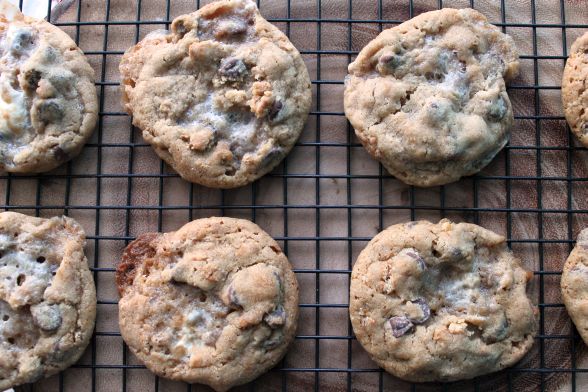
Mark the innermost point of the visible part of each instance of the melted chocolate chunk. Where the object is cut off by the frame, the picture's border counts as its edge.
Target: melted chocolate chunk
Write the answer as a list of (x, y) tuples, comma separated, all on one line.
[(400, 326), (418, 258), (233, 299), (49, 111), (60, 155), (230, 171), (232, 68), (277, 318), (274, 340), (275, 109), (273, 157), (390, 62), (424, 308), (32, 78)]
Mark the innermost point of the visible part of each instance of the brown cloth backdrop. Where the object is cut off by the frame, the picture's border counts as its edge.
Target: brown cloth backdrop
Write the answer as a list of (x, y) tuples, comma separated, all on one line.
[(541, 216)]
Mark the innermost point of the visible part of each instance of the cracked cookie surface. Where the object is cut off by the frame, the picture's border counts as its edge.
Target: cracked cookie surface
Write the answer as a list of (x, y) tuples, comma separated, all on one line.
[(441, 302), (574, 89), (215, 302), (428, 99), (574, 284), (222, 98), (48, 102), (47, 297)]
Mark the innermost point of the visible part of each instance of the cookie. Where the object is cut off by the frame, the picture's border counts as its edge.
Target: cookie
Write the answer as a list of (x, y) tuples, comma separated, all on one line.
[(441, 302), (222, 98), (47, 297), (428, 99), (574, 93), (215, 302), (574, 285), (48, 102)]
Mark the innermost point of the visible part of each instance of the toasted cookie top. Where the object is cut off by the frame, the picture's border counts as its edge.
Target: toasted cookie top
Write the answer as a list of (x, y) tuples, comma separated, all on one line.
[(427, 98), (48, 102), (222, 98), (574, 285), (47, 297), (573, 89), (215, 302), (441, 302)]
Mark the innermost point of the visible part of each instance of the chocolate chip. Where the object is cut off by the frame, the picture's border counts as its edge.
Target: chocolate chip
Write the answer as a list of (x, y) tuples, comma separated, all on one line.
[(22, 39), (233, 300), (60, 155), (32, 78), (424, 308), (49, 111), (400, 326), (237, 150), (584, 128), (232, 68), (272, 158), (390, 61), (277, 318), (230, 171), (275, 109), (274, 340), (497, 110), (418, 258)]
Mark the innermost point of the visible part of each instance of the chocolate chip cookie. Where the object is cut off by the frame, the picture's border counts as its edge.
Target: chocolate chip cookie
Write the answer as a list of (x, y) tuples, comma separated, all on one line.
[(574, 91), (574, 284), (427, 98), (48, 102), (441, 302), (47, 297), (215, 302), (222, 98)]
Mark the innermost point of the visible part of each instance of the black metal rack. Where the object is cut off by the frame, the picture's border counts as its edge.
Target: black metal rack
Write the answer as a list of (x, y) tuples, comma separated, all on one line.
[(311, 372)]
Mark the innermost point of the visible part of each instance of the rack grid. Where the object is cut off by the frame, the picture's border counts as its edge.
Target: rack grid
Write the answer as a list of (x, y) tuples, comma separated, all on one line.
[(328, 198)]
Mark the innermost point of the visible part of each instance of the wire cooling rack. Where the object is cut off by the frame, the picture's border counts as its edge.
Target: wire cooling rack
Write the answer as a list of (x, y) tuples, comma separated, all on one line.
[(328, 198)]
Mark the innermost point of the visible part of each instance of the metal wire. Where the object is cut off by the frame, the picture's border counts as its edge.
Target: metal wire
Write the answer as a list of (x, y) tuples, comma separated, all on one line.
[(348, 148)]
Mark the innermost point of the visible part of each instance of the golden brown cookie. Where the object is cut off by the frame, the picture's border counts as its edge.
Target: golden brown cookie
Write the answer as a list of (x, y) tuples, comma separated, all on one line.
[(441, 302), (428, 99), (48, 102), (47, 297), (215, 302), (574, 89), (222, 98), (574, 284)]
